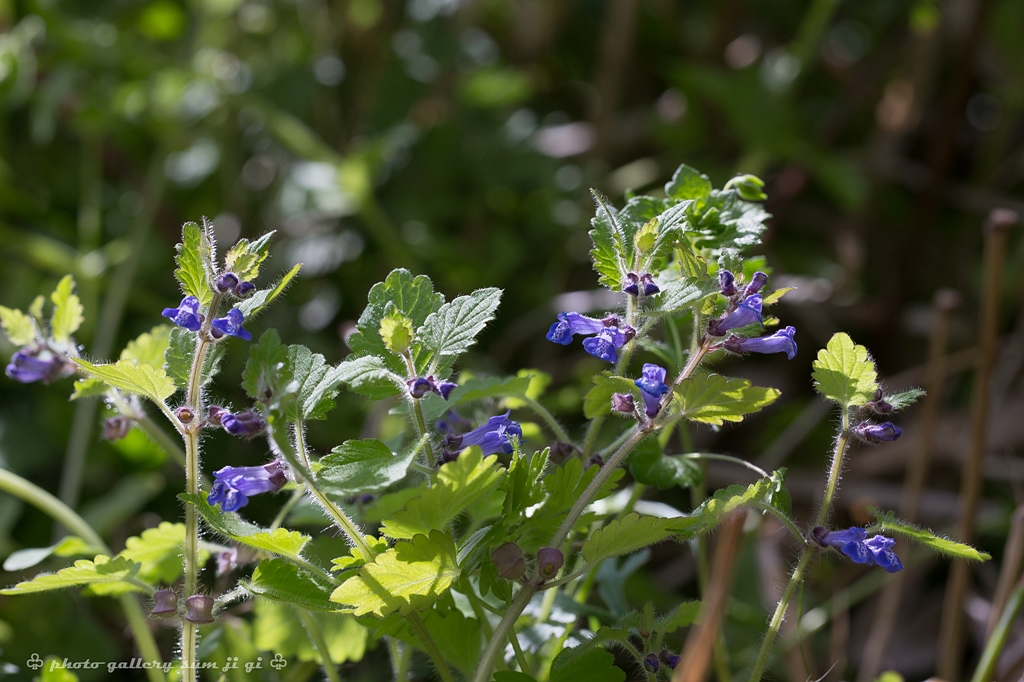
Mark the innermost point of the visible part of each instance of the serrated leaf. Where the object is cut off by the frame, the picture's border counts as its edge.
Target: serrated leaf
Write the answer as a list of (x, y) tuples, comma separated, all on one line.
[(267, 375), (195, 262), (127, 375), (101, 570), (645, 237), (361, 466), (19, 327), (395, 330), (282, 581), (524, 486), (704, 518), (317, 384), (904, 399), (405, 578), (680, 617), (844, 373), (606, 236), (454, 327), (688, 183), (258, 301), (69, 545), (245, 257), (368, 376), (598, 399), (67, 310), (281, 541), (89, 387), (714, 399), (592, 664), (158, 552), (626, 535), (149, 348), (774, 297), (650, 466), (679, 295), (181, 348), (886, 522), (457, 485), (691, 265), (355, 557)]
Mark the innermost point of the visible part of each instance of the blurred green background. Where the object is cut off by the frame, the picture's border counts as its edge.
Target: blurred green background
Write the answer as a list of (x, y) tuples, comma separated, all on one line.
[(458, 138)]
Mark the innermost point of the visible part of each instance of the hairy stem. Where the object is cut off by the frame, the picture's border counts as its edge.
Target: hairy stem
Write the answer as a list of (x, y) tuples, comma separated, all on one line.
[(316, 636), (497, 642), (421, 430), (431, 646)]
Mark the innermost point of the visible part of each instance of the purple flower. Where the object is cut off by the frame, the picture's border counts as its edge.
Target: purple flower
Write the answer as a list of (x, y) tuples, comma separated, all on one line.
[(726, 283), (623, 402), (41, 364), (634, 284), (652, 386), (651, 662), (573, 323), (492, 437), (232, 324), (247, 423), (607, 343), (747, 312), (420, 386), (669, 659), (779, 342), (226, 282), (874, 433), (186, 314), (233, 486), (549, 560), (853, 542), (650, 288), (757, 282), (244, 289)]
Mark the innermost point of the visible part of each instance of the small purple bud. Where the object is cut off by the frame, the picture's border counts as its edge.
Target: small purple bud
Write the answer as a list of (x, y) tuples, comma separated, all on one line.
[(165, 603), (247, 423), (649, 287), (595, 459), (185, 414), (652, 663), (757, 282), (726, 283), (611, 320), (509, 561), (445, 388), (881, 407), (215, 415), (623, 402), (199, 609), (366, 498), (226, 282), (669, 659), (631, 285), (419, 387), (449, 456), (549, 560), (244, 289), (116, 428), (875, 433), (628, 332)]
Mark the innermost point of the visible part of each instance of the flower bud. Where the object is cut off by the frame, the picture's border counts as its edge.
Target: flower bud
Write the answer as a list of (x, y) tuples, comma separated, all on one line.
[(649, 287), (509, 561), (669, 659), (875, 433), (631, 284), (757, 282), (226, 282), (652, 663), (611, 320), (623, 402), (185, 414), (561, 451), (199, 609), (549, 560), (726, 283), (116, 428), (419, 387), (166, 603), (595, 459), (244, 289)]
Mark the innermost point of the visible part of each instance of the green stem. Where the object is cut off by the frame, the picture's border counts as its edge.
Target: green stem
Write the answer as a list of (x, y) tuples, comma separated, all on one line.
[(316, 636), (17, 486), (431, 646), (727, 458), (524, 666), (300, 491), (399, 659), (549, 418), (519, 602), (986, 666), (421, 430)]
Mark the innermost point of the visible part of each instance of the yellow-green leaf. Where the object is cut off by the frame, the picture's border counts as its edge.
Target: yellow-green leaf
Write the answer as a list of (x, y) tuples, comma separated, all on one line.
[(149, 347), (194, 257), (714, 399), (158, 552), (281, 541), (67, 310), (396, 330), (625, 535), (128, 375), (844, 372), (97, 572), (20, 328)]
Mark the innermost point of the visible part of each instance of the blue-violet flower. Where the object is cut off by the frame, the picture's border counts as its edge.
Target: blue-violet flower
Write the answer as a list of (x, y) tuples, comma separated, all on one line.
[(631, 285), (420, 386), (28, 365), (650, 288), (226, 282), (757, 282), (780, 342), (247, 423), (874, 433), (726, 283), (748, 311), (243, 289), (186, 314), (573, 323), (231, 324), (492, 437), (233, 486), (652, 387), (854, 543), (607, 343)]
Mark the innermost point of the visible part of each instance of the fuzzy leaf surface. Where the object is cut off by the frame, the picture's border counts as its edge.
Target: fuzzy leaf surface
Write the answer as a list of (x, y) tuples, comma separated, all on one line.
[(361, 466), (282, 581), (281, 541), (886, 522), (19, 327), (67, 310), (844, 373), (714, 399), (99, 571), (127, 375), (195, 256)]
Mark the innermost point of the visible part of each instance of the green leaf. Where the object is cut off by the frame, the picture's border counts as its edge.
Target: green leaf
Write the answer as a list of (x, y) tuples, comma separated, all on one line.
[(355, 557), (361, 466), (282, 581), (886, 522), (680, 617), (19, 327), (650, 466), (258, 301), (904, 399), (593, 664), (513, 388), (607, 251), (158, 552), (459, 638), (127, 375), (101, 570), (414, 297), (395, 330), (524, 485), (317, 384), (286, 543), (457, 485), (646, 237), (67, 310), (626, 535), (195, 262), (181, 348), (405, 578), (598, 399), (149, 348), (454, 327), (369, 376), (681, 294), (267, 376), (69, 545), (89, 388), (775, 296), (244, 258), (688, 183), (765, 492), (53, 670), (714, 399), (277, 628), (844, 373), (538, 383)]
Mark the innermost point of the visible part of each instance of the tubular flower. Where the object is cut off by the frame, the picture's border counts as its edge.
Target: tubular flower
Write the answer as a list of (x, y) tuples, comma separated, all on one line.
[(875, 433), (233, 486), (607, 343), (652, 387), (780, 342), (854, 543), (231, 324), (247, 423), (421, 386), (29, 365), (747, 312), (757, 282), (726, 283), (570, 324), (492, 437), (650, 288), (186, 315)]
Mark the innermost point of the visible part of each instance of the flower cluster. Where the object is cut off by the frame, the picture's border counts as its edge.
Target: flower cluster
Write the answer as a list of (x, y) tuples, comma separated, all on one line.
[(233, 486), (745, 309), (610, 333), (492, 437), (854, 543), (187, 316), (420, 386), (640, 284), (228, 283)]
